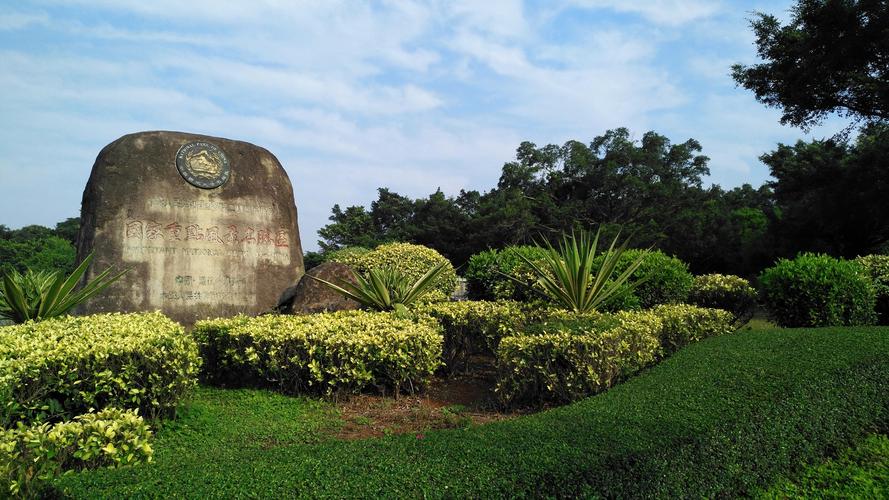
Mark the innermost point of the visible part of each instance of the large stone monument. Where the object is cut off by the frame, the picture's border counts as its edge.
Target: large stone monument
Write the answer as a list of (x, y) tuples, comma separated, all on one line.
[(207, 226)]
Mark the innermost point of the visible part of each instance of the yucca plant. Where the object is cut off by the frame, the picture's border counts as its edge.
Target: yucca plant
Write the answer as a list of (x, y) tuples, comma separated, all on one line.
[(42, 295), (386, 289), (565, 274)]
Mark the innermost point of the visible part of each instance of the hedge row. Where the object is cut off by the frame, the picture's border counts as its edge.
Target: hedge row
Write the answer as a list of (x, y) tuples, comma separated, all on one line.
[(564, 359), (60, 368), (31, 455), (320, 353), (722, 418)]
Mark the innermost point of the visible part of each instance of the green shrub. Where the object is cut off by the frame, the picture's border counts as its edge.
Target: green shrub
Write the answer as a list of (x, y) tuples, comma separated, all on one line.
[(727, 292), (411, 260), (664, 279), (62, 367), (29, 456), (818, 290), (877, 266), (350, 256), (321, 353), (684, 324), (487, 275), (473, 327), (563, 361)]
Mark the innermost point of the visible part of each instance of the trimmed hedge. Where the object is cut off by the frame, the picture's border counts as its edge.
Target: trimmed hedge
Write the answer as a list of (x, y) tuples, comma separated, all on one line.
[(32, 455), (413, 261), (566, 357), (684, 324), (320, 353), (63, 367), (818, 290), (564, 361), (666, 278), (877, 267), (473, 327), (720, 419), (730, 293)]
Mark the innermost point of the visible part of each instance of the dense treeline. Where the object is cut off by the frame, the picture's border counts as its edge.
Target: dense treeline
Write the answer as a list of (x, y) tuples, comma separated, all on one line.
[(39, 248), (827, 196)]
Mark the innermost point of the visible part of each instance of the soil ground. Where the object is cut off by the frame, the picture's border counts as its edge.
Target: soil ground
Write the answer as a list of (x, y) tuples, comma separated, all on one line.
[(456, 401)]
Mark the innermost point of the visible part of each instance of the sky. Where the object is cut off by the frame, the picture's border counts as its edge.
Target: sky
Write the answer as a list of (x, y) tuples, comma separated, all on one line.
[(351, 96)]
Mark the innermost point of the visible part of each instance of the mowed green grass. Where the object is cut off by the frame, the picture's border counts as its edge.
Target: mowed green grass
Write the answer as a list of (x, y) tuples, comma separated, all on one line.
[(726, 416), (861, 471)]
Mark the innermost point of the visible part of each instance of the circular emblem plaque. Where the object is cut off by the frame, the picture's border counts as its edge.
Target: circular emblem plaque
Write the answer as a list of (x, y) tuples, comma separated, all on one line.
[(203, 164)]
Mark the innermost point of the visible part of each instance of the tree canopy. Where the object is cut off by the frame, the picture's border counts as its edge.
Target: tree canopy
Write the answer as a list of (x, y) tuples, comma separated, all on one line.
[(832, 57)]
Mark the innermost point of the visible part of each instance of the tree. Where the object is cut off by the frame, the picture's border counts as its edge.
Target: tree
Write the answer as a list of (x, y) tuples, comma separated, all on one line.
[(832, 57), (832, 196)]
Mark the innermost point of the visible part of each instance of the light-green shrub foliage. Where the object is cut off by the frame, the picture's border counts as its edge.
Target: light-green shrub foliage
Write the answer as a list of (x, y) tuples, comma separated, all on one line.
[(62, 367), (684, 324), (321, 353), (488, 273), (32, 455), (818, 290), (731, 293), (877, 267), (567, 360), (413, 261)]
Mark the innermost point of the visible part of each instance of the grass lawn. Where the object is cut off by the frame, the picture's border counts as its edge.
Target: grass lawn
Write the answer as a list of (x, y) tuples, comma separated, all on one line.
[(726, 416)]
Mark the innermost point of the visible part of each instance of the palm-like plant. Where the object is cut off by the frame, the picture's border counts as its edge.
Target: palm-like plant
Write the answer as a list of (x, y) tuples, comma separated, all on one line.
[(386, 289), (565, 274), (42, 295)]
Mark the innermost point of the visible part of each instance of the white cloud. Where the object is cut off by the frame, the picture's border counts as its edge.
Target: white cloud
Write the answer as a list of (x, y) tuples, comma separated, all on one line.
[(663, 12)]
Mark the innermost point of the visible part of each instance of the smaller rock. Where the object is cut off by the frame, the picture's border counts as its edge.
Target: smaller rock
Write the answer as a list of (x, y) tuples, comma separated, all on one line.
[(309, 296)]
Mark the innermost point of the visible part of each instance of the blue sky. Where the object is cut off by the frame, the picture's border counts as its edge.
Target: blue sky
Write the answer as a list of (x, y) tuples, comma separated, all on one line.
[(351, 96)]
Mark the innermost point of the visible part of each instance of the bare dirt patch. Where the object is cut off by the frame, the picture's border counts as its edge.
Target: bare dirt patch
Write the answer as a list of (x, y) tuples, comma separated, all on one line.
[(457, 401)]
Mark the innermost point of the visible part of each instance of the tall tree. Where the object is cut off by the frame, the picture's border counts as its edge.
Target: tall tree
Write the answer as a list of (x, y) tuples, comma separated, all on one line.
[(833, 196), (832, 57)]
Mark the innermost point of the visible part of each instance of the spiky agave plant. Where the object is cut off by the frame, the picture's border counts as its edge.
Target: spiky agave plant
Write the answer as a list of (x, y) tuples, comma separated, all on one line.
[(386, 289), (565, 274), (42, 295)]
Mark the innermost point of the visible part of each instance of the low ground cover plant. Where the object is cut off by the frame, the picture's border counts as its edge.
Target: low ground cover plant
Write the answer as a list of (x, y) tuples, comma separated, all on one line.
[(413, 261), (32, 455), (326, 353), (730, 293), (724, 417), (818, 290), (63, 367)]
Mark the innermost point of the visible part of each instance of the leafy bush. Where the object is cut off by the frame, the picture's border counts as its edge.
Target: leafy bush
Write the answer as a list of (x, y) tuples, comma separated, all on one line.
[(40, 253), (411, 260), (350, 256), (684, 324), (62, 367), (877, 266), (387, 289), (818, 290), (321, 353), (44, 294), (473, 327), (662, 279), (564, 361), (29, 456), (488, 272), (727, 292), (568, 278)]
